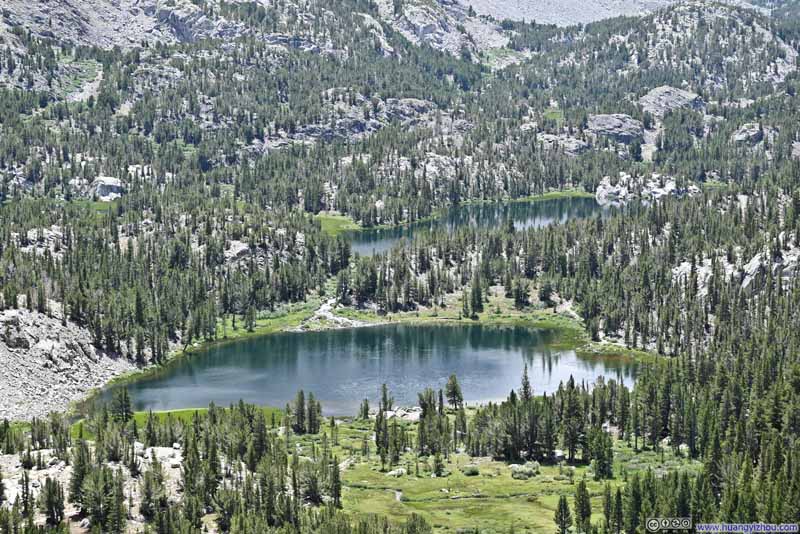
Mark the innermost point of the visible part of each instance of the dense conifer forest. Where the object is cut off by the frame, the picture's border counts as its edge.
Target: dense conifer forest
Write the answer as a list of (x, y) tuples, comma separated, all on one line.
[(171, 193)]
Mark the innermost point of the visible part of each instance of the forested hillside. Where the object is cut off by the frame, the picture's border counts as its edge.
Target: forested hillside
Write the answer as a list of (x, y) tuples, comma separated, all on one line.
[(171, 172)]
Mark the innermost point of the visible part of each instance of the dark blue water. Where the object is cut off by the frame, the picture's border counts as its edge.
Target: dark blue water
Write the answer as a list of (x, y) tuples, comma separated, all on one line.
[(528, 214), (342, 367)]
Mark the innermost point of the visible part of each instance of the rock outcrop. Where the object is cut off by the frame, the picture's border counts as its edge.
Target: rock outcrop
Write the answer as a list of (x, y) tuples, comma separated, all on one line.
[(628, 188), (570, 145), (55, 468), (662, 100), (618, 127), (445, 25), (786, 266), (45, 365), (564, 12), (749, 133), (358, 120), (188, 22), (123, 23), (107, 188)]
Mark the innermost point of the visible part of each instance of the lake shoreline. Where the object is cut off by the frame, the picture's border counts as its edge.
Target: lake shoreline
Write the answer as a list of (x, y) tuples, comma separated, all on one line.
[(568, 331), (320, 313), (335, 223)]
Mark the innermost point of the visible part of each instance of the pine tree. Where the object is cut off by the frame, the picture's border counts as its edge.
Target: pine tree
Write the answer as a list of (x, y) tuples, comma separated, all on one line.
[(526, 391), (121, 409), (618, 514), (713, 465), (148, 506), (336, 484), (476, 295), (25, 494), (608, 506), (96, 494), (116, 509), (81, 465), (299, 412), (453, 392), (563, 517), (191, 474), (52, 502), (363, 411), (633, 503), (465, 309), (150, 436), (438, 465), (312, 419), (573, 419), (583, 508)]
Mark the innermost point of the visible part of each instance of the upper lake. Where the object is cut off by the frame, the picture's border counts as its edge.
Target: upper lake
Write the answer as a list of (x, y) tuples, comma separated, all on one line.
[(524, 214), (341, 367)]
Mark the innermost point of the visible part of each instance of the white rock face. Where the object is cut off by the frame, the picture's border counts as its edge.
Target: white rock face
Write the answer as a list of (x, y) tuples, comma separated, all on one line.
[(40, 240), (124, 23), (361, 119), (749, 133), (406, 414), (570, 145), (786, 266), (702, 271), (628, 188), (444, 25), (107, 188), (377, 32), (188, 22), (45, 365), (563, 12), (665, 99), (618, 127), (236, 251), (56, 469)]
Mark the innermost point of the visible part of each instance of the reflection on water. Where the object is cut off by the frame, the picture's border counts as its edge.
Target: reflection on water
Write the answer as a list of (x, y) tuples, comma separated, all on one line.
[(534, 214), (342, 367)]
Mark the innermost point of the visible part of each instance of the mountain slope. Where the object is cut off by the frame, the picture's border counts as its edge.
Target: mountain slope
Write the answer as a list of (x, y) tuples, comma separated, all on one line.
[(569, 12), (125, 23), (563, 13)]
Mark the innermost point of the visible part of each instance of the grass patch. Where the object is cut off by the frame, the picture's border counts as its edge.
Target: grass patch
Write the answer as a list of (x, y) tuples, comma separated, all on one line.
[(714, 185), (553, 195), (334, 224), (554, 114), (493, 500), (95, 205), (184, 416), (85, 72), (615, 351), (498, 311)]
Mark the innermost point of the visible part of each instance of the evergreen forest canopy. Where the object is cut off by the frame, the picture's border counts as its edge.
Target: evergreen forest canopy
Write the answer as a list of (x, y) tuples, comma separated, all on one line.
[(153, 193)]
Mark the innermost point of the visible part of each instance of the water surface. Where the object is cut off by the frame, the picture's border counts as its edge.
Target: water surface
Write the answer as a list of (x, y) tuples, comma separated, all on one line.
[(342, 367), (524, 214)]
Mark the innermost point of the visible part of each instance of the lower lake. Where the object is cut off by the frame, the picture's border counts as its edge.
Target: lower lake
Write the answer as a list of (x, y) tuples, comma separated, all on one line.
[(342, 367)]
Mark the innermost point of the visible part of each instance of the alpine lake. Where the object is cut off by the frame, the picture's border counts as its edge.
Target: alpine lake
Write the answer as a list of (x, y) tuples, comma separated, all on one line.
[(343, 366)]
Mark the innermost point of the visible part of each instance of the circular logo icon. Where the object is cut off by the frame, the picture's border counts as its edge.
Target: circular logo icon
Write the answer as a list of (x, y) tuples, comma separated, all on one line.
[(653, 525)]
